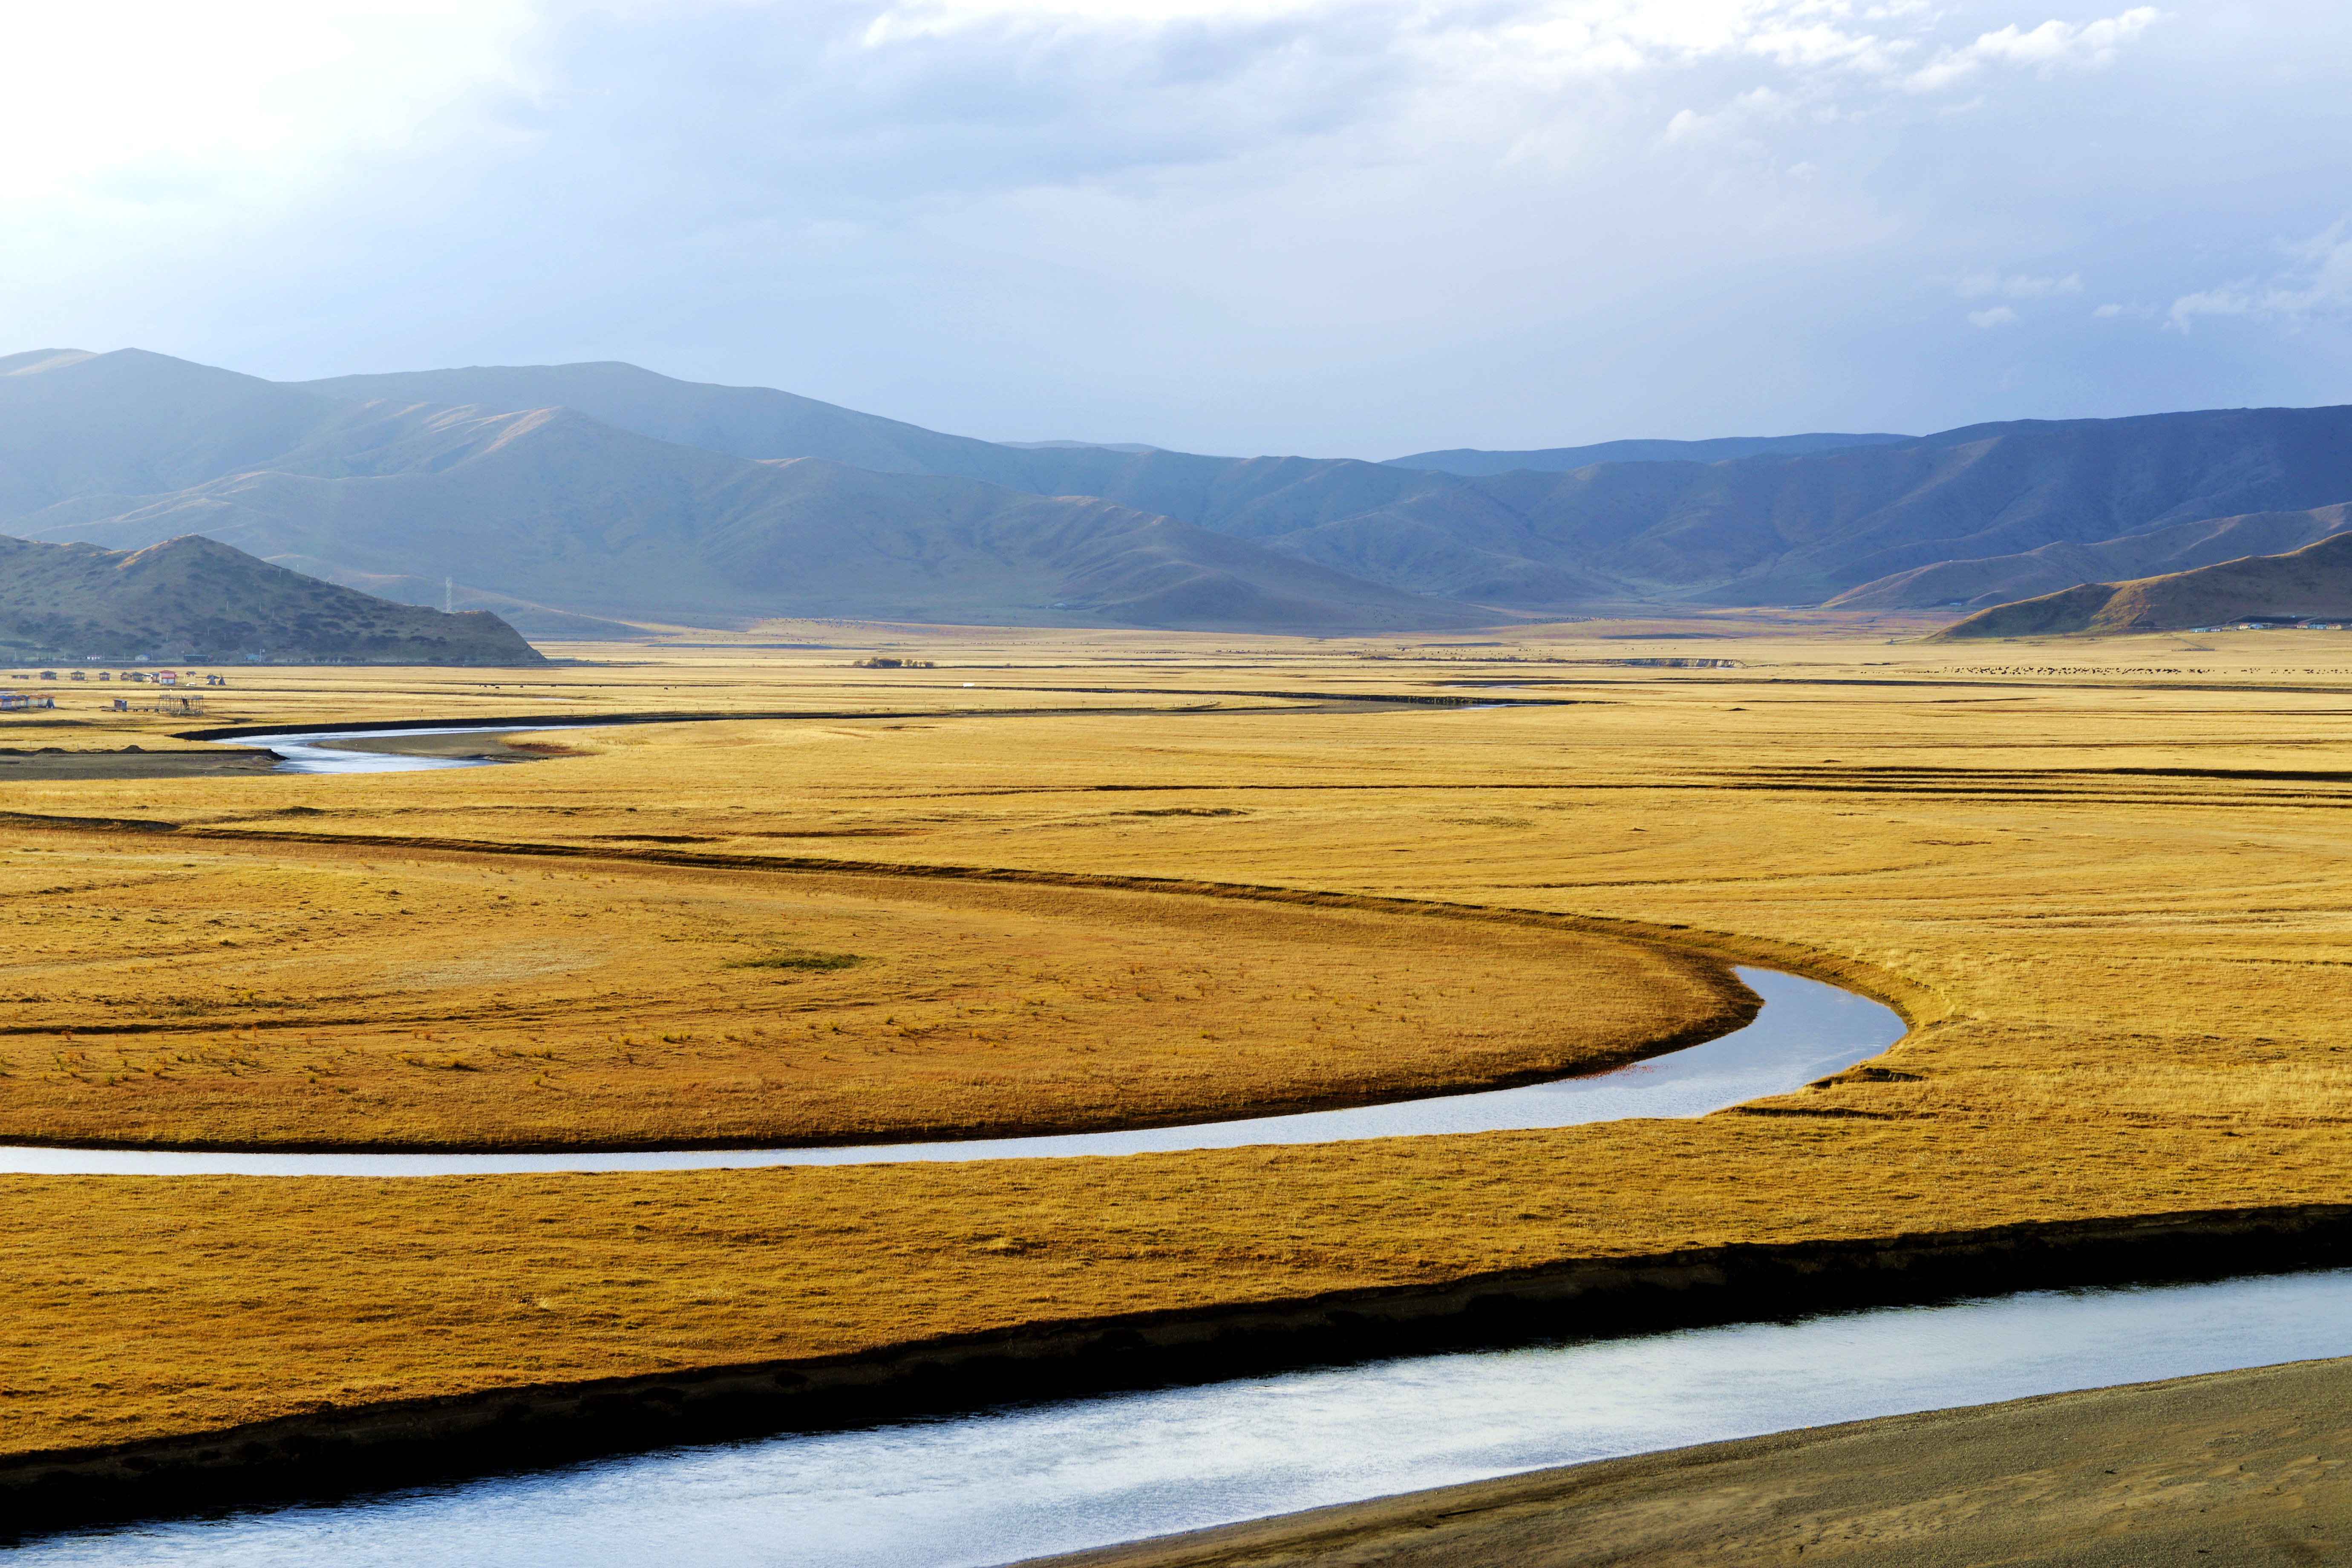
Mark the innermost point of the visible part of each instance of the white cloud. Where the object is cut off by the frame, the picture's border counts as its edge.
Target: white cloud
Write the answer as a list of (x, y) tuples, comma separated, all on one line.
[(2110, 311), (147, 101), (1239, 224), (2317, 282), (2052, 46)]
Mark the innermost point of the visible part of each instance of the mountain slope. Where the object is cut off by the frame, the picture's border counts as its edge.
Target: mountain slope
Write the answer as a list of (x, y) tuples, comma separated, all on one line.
[(190, 597), (743, 421), (76, 424), (135, 423), (550, 515), (559, 510), (1472, 461), (2315, 581), (1770, 529), (2001, 579)]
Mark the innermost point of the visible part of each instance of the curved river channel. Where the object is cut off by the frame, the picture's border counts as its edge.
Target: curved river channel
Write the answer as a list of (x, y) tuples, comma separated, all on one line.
[(1807, 1029), (1021, 1480)]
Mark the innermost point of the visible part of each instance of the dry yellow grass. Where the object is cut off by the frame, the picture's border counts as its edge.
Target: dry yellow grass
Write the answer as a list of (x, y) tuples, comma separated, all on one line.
[(310, 997), (2105, 882)]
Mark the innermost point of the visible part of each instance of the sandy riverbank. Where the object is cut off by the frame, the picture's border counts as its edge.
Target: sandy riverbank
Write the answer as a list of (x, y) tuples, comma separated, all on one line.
[(2233, 1467), (56, 764)]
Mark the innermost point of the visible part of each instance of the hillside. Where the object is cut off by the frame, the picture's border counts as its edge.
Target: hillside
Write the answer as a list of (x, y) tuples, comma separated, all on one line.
[(742, 421), (2315, 581), (193, 598), (2001, 579), (551, 513), (568, 524), (1476, 462), (1774, 528)]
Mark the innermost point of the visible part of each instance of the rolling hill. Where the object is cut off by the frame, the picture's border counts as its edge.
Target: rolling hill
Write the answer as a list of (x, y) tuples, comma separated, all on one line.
[(194, 598), (2001, 579), (2315, 581)]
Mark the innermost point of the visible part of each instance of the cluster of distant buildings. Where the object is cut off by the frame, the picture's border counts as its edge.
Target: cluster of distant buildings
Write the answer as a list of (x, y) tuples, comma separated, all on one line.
[(21, 701), (2277, 624), (159, 677)]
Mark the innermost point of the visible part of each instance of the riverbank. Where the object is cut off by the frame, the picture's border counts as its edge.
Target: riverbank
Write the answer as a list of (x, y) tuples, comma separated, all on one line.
[(2233, 1467), (367, 1445), (22, 765), (299, 993)]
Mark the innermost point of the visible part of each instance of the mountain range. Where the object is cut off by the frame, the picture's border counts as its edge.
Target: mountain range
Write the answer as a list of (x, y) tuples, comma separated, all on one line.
[(573, 497), (567, 525)]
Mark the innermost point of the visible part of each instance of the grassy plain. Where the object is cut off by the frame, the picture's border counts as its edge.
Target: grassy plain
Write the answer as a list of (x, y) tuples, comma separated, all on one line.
[(2105, 882), (313, 996)]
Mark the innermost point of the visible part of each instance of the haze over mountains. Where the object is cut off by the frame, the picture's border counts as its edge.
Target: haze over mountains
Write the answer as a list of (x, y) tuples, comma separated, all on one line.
[(575, 497)]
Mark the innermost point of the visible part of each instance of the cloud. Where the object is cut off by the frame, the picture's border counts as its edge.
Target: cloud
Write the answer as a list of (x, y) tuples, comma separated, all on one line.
[(2053, 46), (147, 101), (2317, 283), (2110, 311), (1363, 226)]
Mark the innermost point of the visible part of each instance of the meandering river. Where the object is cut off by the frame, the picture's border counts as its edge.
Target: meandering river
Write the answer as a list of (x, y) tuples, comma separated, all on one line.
[(1807, 1029), (1020, 1480)]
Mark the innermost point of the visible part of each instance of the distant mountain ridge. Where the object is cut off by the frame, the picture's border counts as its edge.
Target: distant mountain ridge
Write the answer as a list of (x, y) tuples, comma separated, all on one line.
[(1770, 528), (1476, 462), (553, 512), (197, 598), (610, 492), (2315, 582)]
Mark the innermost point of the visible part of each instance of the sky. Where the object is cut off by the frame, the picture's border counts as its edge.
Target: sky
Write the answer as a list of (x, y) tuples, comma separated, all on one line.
[(1326, 227)]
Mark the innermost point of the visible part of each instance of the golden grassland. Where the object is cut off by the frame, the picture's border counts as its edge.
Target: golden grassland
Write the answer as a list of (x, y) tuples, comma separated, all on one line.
[(2105, 882), (311, 996)]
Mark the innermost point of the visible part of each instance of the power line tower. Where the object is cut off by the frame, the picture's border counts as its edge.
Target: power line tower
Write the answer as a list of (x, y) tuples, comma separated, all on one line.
[(448, 596)]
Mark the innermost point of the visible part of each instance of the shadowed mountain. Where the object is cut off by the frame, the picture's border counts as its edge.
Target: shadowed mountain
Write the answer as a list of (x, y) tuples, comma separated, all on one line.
[(2002, 579), (195, 598), (2315, 581), (1768, 528), (1472, 461)]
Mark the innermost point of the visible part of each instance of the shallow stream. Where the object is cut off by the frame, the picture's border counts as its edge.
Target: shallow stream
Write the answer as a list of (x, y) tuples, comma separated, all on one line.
[(1024, 1480)]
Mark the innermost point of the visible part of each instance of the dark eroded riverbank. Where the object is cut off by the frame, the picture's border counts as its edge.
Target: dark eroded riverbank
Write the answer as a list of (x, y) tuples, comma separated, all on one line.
[(372, 1447)]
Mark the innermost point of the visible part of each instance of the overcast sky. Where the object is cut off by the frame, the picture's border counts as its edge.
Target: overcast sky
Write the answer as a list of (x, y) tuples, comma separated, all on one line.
[(1329, 226)]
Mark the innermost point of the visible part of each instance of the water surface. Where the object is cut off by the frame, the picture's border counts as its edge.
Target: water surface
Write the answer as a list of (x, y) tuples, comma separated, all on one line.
[(1021, 1481)]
